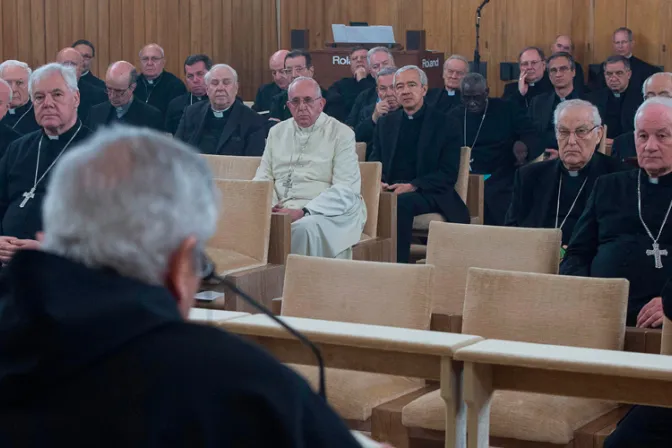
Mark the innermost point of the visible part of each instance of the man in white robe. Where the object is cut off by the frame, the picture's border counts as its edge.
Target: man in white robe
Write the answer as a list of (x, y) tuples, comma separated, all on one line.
[(312, 161)]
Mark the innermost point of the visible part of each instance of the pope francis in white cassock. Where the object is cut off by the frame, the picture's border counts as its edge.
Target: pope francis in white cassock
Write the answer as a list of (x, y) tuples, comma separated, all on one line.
[(312, 162)]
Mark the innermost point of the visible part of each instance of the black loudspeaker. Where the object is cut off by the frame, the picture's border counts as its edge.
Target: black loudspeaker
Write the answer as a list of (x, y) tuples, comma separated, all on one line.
[(300, 39), (415, 40), (482, 68), (509, 71)]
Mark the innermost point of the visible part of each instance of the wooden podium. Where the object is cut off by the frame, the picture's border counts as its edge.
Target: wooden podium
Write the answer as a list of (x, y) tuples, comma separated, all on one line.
[(333, 63)]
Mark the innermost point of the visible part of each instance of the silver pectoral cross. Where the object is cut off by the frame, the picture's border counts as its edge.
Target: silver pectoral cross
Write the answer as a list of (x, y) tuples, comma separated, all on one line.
[(287, 183), (657, 253), (31, 194)]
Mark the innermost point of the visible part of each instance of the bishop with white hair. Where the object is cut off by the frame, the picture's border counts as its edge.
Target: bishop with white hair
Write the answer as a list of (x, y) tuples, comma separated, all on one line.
[(223, 125), (553, 194), (7, 134), (312, 162), (27, 164), (20, 116), (624, 231), (156, 86)]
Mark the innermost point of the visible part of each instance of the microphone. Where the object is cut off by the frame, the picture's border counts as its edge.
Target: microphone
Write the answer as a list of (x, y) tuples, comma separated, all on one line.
[(485, 2), (212, 276)]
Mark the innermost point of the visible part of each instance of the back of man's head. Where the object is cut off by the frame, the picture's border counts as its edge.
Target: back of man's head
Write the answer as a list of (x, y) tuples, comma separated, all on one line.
[(128, 199)]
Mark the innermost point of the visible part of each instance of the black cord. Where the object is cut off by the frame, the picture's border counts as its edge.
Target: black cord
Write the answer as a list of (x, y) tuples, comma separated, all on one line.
[(304, 340)]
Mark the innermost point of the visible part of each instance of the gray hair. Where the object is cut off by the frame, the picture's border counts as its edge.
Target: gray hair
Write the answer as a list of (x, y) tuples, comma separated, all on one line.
[(473, 79), (650, 78), (126, 199), (418, 70), (68, 73), (455, 57), (663, 101), (163, 54), (218, 66), (375, 50), (12, 63), (6, 84), (386, 71), (318, 90), (569, 104)]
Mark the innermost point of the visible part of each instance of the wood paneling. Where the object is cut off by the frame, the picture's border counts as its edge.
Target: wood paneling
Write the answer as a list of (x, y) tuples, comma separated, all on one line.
[(243, 33)]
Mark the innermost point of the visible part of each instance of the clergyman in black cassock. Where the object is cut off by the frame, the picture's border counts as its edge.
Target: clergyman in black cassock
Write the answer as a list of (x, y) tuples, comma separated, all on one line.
[(7, 134), (494, 129), (195, 68), (121, 79), (156, 86), (533, 70), (348, 89), (444, 99), (21, 115), (223, 125), (419, 147), (561, 71), (88, 52), (378, 58), (89, 95), (371, 114)]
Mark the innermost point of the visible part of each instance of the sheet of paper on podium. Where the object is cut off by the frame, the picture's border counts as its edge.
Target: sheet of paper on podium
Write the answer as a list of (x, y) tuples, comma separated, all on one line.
[(378, 34)]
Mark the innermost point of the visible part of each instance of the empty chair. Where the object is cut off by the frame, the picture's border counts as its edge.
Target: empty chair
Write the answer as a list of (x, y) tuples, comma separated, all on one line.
[(539, 308), (358, 292)]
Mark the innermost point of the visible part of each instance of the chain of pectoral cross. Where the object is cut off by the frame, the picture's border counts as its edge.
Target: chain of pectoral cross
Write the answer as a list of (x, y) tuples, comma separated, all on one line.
[(655, 251)]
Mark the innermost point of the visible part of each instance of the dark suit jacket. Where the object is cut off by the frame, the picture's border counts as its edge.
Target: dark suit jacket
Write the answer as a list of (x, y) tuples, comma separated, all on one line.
[(7, 136), (438, 158), (367, 97), (633, 99), (640, 71), (511, 92), (265, 96), (138, 114), (624, 146), (244, 133), (176, 109), (541, 112), (94, 81), (89, 96), (535, 191), (365, 126), (439, 99)]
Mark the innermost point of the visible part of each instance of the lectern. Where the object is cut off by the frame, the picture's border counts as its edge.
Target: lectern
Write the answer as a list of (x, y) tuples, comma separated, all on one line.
[(333, 63)]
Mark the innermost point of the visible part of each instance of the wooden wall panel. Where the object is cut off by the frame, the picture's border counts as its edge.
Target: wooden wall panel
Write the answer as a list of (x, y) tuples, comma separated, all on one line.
[(643, 17), (609, 15)]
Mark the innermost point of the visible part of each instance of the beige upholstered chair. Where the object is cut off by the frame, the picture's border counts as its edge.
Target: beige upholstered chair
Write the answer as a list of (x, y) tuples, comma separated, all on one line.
[(233, 167), (243, 229), (358, 292), (372, 173), (454, 248), (360, 147), (539, 308), (666, 342)]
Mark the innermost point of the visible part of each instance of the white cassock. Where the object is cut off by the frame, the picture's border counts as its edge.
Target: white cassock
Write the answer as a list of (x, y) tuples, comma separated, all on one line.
[(317, 168)]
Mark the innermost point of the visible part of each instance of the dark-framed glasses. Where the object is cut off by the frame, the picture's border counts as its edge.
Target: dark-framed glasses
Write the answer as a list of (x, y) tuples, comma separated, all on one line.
[(296, 102)]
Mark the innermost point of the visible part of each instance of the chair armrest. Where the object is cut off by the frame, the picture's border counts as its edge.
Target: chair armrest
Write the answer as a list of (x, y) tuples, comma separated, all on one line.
[(475, 196), (280, 242), (276, 306), (387, 215)]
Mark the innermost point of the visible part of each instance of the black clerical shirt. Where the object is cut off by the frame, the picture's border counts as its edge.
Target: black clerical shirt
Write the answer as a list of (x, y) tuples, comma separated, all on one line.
[(160, 91), (613, 114), (17, 176), (404, 164), (212, 131), (264, 98), (22, 119), (349, 89), (7, 136), (176, 109), (610, 241)]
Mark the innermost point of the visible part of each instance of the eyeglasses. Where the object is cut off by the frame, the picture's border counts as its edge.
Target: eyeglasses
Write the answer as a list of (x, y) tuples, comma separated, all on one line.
[(617, 74), (146, 59), (459, 73), (559, 70), (296, 102), (529, 63), (580, 133), (117, 92), (289, 71)]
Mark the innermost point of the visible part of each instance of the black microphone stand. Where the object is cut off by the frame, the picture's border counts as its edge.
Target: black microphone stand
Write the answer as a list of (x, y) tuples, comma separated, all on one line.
[(477, 54)]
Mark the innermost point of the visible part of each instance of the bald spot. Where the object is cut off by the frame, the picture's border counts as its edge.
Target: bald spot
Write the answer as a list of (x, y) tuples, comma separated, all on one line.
[(69, 55), (277, 59), (305, 88), (119, 72), (659, 84)]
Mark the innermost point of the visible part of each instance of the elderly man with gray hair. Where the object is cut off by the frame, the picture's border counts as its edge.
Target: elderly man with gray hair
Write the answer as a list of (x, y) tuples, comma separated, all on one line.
[(454, 69), (223, 125), (419, 148), (7, 134), (312, 162), (95, 333), (27, 164), (554, 193), (20, 116), (377, 59)]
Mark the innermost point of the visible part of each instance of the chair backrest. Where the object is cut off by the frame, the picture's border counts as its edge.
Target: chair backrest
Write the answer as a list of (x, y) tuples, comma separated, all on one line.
[(233, 167), (360, 148), (396, 295), (546, 309), (371, 173), (604, 148), (666, 339), (244, 226), (454, 248), (462, 184)]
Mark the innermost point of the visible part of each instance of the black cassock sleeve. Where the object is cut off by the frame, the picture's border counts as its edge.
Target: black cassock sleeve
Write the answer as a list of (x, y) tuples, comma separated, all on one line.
[(583, 245), (364, 126), (353, 116), (4, 185), (512, 217), (526, 132), (259, 99), (445, 176)]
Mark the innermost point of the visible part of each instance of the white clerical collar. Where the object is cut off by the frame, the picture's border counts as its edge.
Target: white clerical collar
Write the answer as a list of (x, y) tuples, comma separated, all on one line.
[(12, 111), (450, 92), (617, 94), (85, 73), (52, 137), (219, 113), (150, 82), (573, 173), (653, 180), (532, 84), (319, 122)]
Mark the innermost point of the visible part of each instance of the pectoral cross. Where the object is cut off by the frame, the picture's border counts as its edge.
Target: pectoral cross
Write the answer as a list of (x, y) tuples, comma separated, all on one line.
[(287, 183), (657, 253), (31, 194)]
